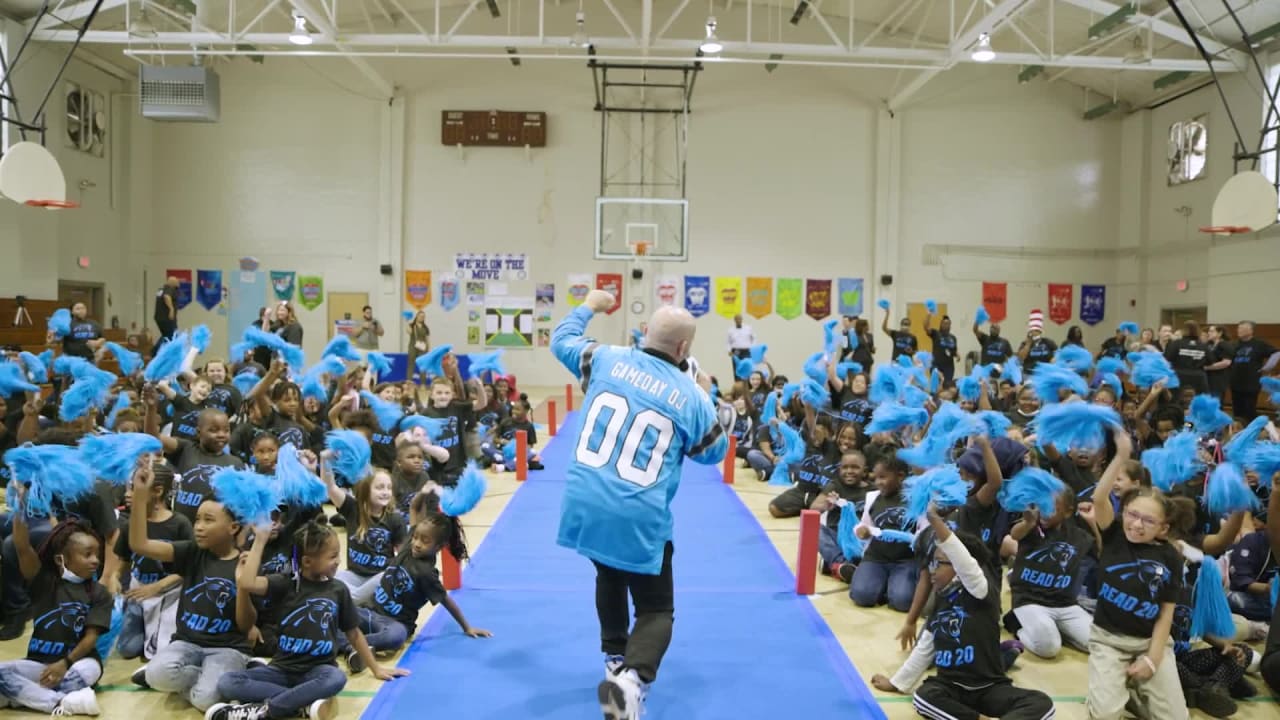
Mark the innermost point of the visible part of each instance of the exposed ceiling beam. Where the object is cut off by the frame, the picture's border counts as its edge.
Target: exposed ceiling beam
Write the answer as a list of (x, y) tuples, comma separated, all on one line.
[(73, 14), (1004, 10), (1164, 28), (321, 23)]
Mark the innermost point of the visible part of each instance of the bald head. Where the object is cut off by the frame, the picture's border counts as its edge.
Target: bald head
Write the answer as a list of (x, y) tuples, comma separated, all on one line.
[(670, 331)]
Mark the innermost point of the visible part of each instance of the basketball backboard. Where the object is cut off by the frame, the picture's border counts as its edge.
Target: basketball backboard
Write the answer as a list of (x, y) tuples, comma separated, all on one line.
[(661, 224)]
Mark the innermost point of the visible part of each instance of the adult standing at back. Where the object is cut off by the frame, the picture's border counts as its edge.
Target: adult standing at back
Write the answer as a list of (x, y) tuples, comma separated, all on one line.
[(86, 334), (1218, 361), (995, 349), (166, 315), (904, 343), (944, 346), (1252, 357), (1188, 357), (741, 338), (370, 330), (644, 414), (1036, 348), (283, 322), (419, 341)]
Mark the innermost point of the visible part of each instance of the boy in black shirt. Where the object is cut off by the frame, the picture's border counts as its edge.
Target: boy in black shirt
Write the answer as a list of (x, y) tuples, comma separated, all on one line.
[(451, 437), (196, 462), (964, 631), (851, 488)]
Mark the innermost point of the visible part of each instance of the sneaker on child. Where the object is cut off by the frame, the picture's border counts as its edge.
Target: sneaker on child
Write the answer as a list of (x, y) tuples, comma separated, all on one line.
[(78, 702), (613, 663), (232, 711), (355, 663), (621, 696), (139, 677), (321, 709)]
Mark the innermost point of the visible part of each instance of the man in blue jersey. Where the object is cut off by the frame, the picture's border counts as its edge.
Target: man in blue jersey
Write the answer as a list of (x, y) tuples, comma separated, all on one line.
[(643, 414)]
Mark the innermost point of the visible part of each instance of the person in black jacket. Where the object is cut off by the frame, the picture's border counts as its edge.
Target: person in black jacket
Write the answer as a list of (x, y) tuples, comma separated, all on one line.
[(1188, 357)]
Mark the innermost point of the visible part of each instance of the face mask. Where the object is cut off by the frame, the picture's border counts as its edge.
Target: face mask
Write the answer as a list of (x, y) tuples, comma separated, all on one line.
[(71, 577)]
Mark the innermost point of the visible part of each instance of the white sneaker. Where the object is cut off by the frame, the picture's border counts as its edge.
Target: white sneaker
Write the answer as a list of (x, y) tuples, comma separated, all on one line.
[(612, 664), (321, 709), (78, 702), (621, 696), (1257, 631)]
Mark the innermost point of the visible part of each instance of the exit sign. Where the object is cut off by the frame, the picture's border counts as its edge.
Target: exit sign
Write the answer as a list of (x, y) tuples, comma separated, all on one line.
[(1181, 286)]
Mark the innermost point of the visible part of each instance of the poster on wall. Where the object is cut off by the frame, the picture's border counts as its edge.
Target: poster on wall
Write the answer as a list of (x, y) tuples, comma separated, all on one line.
[(1093, 303), (995, 298), (544, 337), (817, 299), (612, 284), (849, 296), (666, 291), (1059, 302), (491, 266), (282, 284), (184, 286), (449, 294), (790, 298), (417, 288), (579, 286), (728, 296), (346, 327), (508, 322), (697, 294), (544, 296), (475, 293), (473, 335), (759, 297), (310, 291), (209, 288)]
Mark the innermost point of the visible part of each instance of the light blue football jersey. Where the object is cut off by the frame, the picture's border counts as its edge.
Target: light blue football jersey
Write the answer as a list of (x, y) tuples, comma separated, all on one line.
[(642, 416)]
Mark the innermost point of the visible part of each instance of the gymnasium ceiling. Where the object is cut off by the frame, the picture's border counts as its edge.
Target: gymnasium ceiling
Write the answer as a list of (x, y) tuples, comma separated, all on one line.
[(911, 42)]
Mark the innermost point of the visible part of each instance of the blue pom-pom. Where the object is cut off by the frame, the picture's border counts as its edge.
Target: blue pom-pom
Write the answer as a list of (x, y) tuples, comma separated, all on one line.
[(1012, 371), (1177, 461), (1210, 612), (789, 391), (913, 396), (1031, 487), (351, 453), (1112, 381), (489, 362), (757, 353), (107, 640), (931, 306), (49, 471), (890, 416), (129, 361), (941, 485), (1074, 358), (829, 333), (1075, 426), (432, 363), (1271, 386), (770, 410), (935, 382), (115, 456), (1264, 459), (850, 545), (1050, 380), (168, 360), (1227, 491), (852, 335), (815, 368), (72, 365), (245, 381), (896, 536), (845, 369), (1206, 414), (408, 315), (13, 379), (814, 394), (1111, 366), (1242, 442), (905, 361), (969, 388), (1275, 591), (924, 358), (312, 386), (1130, 328), (995, 424), (433, 427), (637, 337), (887, 383), (1151, 367), (340, 347), (291, 354), (200, 337), (461, 499), (792, 454), (883, 303), (37, 369), (742, 368), (91, 390), (299, 487), (388, 413), (981, 317), (379, 363), (248, 496), (122, 402), (60, 323)]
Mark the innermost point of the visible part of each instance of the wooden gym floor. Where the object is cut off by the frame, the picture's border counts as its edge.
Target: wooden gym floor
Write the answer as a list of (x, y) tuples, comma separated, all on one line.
[(867, 635)]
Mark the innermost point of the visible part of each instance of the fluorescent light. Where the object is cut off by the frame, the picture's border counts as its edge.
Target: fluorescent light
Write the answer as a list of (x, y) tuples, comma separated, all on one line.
[(712, 44), (143, 27), (580, 38), (982, 52), (300, 36)]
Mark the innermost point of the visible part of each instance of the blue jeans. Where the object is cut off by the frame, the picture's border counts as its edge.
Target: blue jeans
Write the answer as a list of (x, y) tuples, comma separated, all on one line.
[(192, 671), (382, 632), (759, 462), (13, 588), (20, 683), (829, 548), (1253, 607), (873, 581), (285, 693), (133, 632)]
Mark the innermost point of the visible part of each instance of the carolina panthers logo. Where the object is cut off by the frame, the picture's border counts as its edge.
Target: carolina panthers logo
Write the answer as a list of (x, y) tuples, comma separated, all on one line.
[(893, 518), (292, 435), (1058, 553), (949, 622), (488, 419), (274, 564), (1149, 573), (316, 611), (216, 590), (396, 581), (1181, 621), (377, 539), (69, 614), (220, 398)]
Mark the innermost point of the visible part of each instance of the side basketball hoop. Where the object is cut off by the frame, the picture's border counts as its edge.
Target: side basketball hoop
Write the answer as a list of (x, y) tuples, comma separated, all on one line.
[(640, 249), (1226, 230), (53, 204)]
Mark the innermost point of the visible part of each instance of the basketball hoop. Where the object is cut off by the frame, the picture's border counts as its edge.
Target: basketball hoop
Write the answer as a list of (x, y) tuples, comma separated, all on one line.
[(1226, 230), (640, 249), (53, 204)]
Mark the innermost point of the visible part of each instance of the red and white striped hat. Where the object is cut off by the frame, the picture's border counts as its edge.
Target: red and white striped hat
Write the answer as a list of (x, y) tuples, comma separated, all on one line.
[(1035, 321)]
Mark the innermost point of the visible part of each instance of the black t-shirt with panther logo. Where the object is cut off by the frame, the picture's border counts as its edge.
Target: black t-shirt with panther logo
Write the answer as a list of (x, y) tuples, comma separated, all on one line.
[(196, 468), (458, 415), (1046, 570), (889, 513), (1134, 580), (62, 610), (146, 571), (369, 554), (207, 607), (312, 615), (966, 636), (407, 585)]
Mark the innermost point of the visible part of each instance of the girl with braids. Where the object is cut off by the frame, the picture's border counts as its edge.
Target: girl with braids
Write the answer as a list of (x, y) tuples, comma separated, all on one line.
[(412, 581), (316, 611), (71, 611)]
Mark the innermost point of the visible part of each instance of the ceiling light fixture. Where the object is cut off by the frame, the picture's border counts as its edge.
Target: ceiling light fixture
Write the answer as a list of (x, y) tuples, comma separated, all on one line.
[(493, 8), (801, 8), (711, 45), (300, 36), (580, 38), (1137, 54), (982, 52), (142, 26)]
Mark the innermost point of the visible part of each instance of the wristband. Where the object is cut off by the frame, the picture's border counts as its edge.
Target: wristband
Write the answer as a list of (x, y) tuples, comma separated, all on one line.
[(1149, 663)]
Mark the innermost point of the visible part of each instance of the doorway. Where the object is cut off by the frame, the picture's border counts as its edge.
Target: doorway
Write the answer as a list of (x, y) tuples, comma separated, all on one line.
[(346, 311), (91, 294), (1177, 317)]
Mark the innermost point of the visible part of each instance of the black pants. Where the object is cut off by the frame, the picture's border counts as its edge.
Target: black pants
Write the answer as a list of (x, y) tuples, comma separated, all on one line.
[(1270, 669), (1195, 379), (644, 645), (941, 700), (1244, 404), (167, 328), (1208, 666)]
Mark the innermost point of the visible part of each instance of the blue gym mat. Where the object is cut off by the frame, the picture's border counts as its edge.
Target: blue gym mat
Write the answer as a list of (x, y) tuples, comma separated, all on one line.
[(744, 646)]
